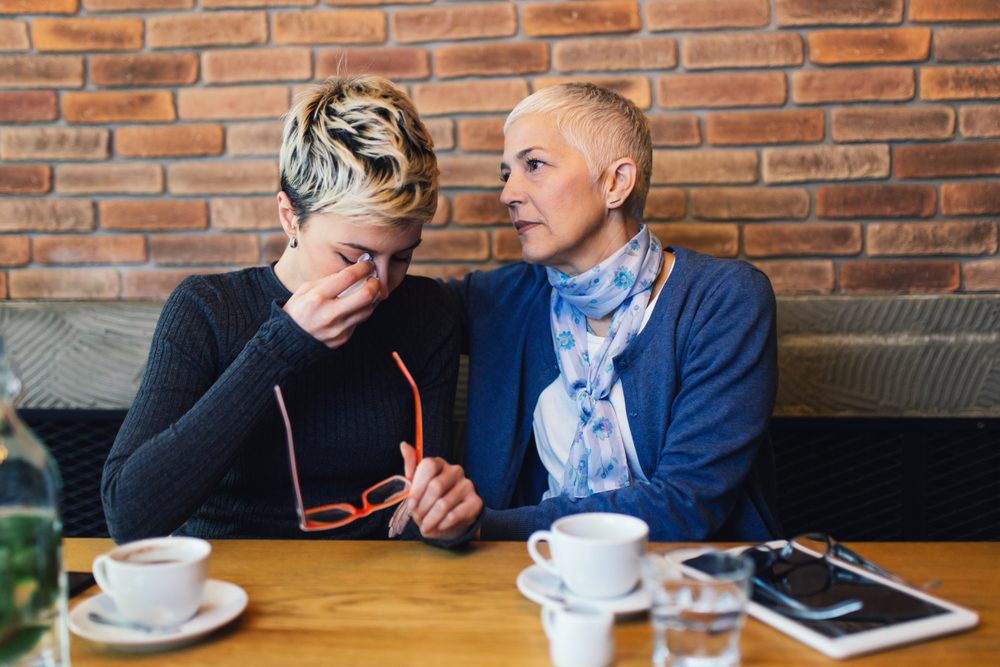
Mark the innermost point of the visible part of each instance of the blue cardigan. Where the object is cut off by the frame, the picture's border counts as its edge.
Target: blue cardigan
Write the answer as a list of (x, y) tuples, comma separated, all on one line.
[(699, 383)]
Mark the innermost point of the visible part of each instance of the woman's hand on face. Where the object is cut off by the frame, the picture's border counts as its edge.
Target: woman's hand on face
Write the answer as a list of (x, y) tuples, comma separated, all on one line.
[(443, 501), (315, 307)]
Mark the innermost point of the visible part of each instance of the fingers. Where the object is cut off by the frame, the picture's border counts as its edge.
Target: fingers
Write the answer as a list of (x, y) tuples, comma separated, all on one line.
[(409, 459), (332, 285), (443, 501)]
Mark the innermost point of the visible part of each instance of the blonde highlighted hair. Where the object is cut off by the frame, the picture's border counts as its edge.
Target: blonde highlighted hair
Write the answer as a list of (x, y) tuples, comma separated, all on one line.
[(601, 124), (355, 147)]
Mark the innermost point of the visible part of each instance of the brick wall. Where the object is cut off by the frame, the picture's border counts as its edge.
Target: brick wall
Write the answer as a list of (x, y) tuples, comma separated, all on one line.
[(841, 145)]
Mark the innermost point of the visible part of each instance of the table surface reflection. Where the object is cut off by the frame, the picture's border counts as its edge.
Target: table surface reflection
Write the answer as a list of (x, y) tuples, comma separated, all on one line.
[(405, 603)]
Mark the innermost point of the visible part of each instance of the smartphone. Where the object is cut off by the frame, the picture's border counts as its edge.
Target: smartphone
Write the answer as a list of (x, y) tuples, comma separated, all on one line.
[(79, 582)]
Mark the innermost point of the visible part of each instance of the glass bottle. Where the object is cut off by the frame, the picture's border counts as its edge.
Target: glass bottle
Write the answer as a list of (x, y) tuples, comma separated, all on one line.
[(33, 627)]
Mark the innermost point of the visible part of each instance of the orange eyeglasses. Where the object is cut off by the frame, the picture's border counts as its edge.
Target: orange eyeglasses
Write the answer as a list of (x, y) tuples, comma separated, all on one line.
[(376, 497)]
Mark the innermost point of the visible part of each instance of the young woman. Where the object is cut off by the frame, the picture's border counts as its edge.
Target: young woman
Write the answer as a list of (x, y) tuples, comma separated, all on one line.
[(203, 449), (606, 372)]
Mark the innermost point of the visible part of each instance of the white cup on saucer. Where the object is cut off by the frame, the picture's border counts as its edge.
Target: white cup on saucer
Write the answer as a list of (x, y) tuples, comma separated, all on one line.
[(596, 554), (157, 582), (579, 636)]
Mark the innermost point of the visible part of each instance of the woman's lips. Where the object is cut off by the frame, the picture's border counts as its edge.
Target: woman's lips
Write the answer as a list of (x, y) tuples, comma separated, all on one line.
[(521, 225)]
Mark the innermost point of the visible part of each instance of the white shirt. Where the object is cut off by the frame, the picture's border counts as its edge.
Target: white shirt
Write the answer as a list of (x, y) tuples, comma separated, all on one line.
[(556, 418)]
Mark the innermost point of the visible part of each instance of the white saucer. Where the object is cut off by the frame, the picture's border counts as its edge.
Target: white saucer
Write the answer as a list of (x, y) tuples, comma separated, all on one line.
[(538, 585), (222, 603)]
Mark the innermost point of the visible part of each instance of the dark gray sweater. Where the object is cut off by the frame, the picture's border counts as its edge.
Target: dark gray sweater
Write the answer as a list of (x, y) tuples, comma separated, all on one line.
[(202, 450)]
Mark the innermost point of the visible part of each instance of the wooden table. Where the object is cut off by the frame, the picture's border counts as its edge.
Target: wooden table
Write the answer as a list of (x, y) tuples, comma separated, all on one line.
[(401, 604)]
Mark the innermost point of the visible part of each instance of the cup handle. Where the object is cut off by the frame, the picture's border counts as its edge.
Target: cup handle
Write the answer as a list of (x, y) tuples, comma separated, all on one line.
[(100, 575), (542, 536)]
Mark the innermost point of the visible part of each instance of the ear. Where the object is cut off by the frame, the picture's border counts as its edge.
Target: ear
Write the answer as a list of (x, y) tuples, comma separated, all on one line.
[(286, 214), (620, 180)]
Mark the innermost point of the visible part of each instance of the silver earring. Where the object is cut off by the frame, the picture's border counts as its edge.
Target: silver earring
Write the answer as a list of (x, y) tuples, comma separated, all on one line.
[(293, 243)]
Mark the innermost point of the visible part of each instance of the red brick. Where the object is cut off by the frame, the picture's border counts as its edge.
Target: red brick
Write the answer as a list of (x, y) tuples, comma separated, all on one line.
[(273, 246), (900, 276), (222, 4), (635, 88), (580, 18), (506, 245), (14, 250), (144, 5), (81, 249), (39, 6), (982, 275), (143, 215), (131, 178), (26, 179), (491, 59), (764, 49), (469, 171), (970, 198), (196, 178), (718, 239), (749, 203), (945, 160), (54, 143), (168, 140), (951, 44), (882, 84), (674, 130), (245, 213), (232, 102), (665, 204), (825, 12), (445, 271), (147, 69), (704, 166), (87, 34), (157, 283), (876, 201), (41, 71), (341, 26), (954, 10), (273, 64), (960, 83), (206, 29), (175, 249), (764, 127), (697, 14), (825, 163), (892, 123), (46, 215), (481, 134), (775, 239), (14, 36), (441, 213), (614, 54), (115, 107), (723, 89), (442, 131), (406, 62), (471, 96), (29, 106), (931, 238), (792, 276), (64, 284), (254, 138), (480, 208), (886, 45), (451, 23), (469, 245)]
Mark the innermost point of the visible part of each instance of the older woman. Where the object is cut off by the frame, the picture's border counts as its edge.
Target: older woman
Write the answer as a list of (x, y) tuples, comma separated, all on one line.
[(203, 449), (606, 372)]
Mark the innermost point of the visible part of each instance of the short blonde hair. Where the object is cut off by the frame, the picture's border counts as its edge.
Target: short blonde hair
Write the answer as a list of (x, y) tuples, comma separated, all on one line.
[(355, 147), (601, 124)]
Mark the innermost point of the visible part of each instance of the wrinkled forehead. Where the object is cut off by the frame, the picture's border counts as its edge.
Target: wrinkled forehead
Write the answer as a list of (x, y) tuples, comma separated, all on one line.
[(540, 131)]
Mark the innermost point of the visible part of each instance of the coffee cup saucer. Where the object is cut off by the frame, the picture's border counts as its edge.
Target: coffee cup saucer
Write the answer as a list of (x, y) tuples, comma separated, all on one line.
[(539, 585), (222, 602)]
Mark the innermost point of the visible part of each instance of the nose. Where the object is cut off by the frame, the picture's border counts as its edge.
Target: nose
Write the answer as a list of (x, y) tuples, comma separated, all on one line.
[(511, 195)]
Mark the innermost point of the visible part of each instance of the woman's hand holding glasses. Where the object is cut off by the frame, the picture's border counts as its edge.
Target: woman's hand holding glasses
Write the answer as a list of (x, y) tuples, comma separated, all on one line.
[(443, 502)]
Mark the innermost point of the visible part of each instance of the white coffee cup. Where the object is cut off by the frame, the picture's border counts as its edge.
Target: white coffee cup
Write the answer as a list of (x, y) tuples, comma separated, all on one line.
[(596, 555), (158, 582), (579, 636)]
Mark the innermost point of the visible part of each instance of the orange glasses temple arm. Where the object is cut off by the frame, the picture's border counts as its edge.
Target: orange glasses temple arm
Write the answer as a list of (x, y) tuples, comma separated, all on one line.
[(419, 444)]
